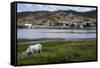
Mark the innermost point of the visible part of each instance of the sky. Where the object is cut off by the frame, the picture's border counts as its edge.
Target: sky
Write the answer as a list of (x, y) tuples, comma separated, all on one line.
[(38, 7)]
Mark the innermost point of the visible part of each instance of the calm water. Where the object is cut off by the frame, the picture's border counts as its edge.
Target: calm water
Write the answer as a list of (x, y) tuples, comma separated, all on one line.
[(55, 33)]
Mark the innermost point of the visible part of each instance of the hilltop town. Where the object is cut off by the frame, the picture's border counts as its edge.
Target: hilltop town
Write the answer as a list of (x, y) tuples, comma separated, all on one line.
[(56, 19)]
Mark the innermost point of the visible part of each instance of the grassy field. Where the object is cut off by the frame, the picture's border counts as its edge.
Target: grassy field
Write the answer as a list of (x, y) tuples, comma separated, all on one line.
[(60, 51)]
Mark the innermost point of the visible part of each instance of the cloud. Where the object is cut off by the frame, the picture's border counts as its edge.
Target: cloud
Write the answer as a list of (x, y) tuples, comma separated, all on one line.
[(37, 7), (83, 9), (28, 5)]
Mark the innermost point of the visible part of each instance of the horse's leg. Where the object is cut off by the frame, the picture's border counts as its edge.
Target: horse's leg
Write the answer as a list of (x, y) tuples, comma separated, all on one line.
[(32, 52), (39, 51)]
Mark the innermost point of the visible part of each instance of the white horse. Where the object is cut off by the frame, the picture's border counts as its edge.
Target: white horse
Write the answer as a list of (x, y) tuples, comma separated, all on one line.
[(32, 49)]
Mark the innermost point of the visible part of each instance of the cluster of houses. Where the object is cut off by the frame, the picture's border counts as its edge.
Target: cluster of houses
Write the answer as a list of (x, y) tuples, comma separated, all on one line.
[(62, 24)]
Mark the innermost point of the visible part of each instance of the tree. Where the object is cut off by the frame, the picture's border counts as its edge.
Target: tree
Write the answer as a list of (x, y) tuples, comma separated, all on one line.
[(87, 25), (72, 25)]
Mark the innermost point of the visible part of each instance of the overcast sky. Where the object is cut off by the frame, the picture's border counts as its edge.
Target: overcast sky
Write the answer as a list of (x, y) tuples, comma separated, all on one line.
[(37, 7)]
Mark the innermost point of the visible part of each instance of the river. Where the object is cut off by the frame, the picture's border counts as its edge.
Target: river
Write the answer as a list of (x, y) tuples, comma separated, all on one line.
[(55, 33)]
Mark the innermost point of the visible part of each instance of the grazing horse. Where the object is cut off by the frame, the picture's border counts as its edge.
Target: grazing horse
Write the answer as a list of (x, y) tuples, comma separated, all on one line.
[(32, 49)]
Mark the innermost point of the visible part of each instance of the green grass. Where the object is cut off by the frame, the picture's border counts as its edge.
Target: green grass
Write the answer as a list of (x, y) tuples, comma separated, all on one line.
[(60, 51)]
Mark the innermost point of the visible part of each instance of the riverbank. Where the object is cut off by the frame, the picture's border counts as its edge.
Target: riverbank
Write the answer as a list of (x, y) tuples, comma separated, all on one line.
[(27, 41), (57, 27), (60, 52)]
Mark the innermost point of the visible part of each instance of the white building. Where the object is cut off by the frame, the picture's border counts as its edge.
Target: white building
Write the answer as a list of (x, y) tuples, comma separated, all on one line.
[(81, 26), (28, 25)]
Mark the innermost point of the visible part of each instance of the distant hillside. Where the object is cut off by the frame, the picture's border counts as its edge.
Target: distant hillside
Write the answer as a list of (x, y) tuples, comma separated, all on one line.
[(24, 14), (91, 14), (55, 18)]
